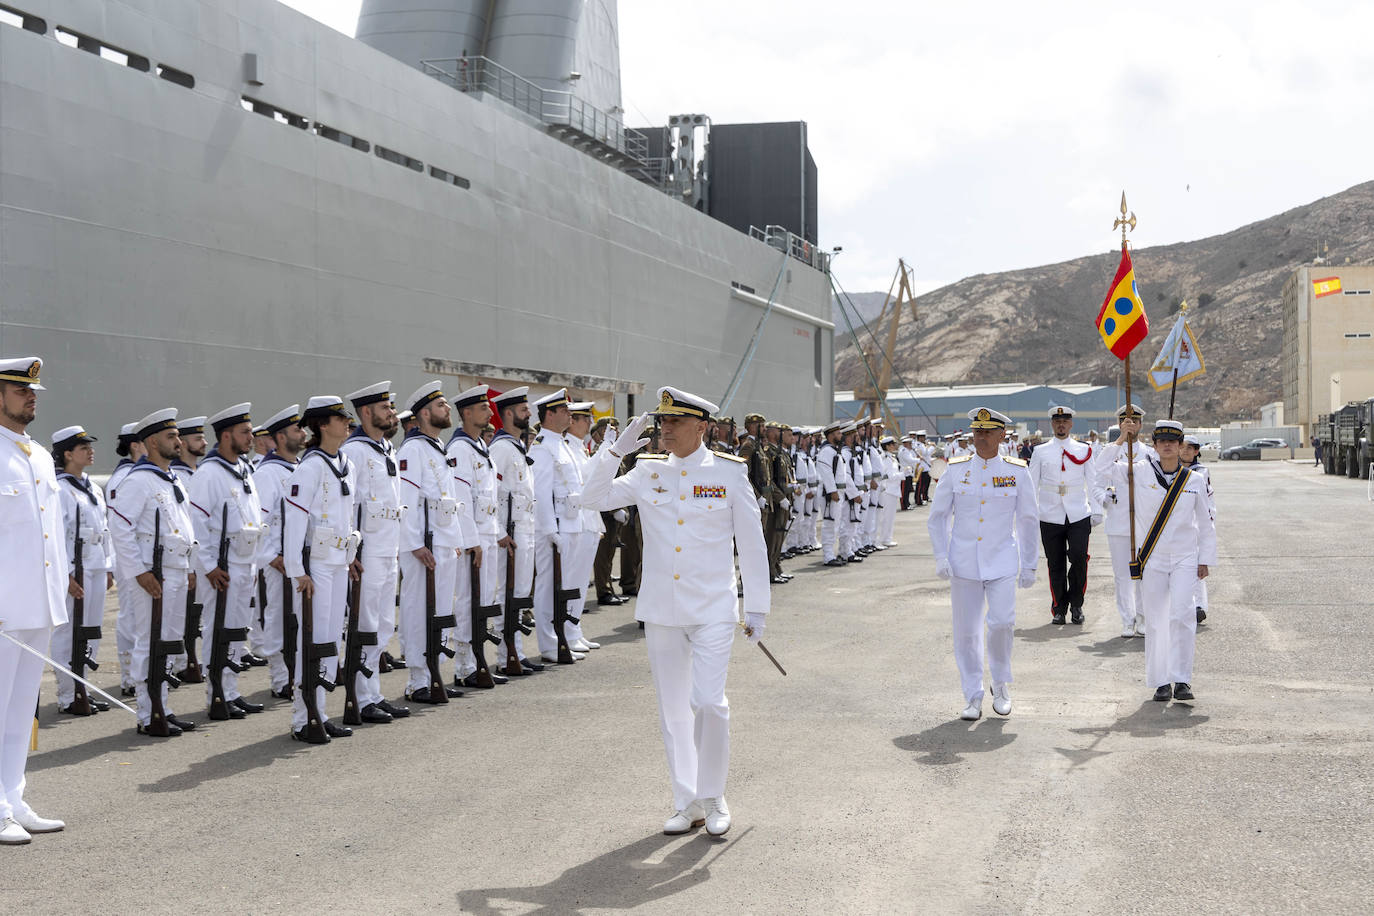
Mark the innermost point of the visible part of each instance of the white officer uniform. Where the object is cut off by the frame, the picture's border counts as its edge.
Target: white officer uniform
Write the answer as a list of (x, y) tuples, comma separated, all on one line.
[(270, 481), (124, 584), (514, 506), (1187, 540), (33, 559), (83, 513), (833, 472), (1116, 512), (431, 494), (379, 496), (891, 489), (474, 469), (223, 490), (695, 512), (982, 528), (1062, 472), (148, 492), (585, 541), (558, 516)]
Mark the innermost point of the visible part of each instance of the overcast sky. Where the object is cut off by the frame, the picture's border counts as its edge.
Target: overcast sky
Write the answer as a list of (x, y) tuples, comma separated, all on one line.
[(974, 138)]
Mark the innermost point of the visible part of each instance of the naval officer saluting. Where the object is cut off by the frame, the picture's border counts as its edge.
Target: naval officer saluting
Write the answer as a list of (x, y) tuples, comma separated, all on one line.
[(696, 507), (982, 527), (33, 564)]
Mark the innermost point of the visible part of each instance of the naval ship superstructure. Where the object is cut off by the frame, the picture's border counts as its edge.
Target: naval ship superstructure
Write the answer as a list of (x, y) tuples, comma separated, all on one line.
[(205, 201)]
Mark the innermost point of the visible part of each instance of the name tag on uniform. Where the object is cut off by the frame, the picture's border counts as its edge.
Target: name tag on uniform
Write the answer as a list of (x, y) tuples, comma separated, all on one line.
[(1004, 481), (707, 492)]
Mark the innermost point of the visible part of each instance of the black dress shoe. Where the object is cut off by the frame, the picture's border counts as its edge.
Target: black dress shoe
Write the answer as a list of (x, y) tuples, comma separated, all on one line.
[(337, 731), (71, 710), (246, 706), (225, 713), (185, 725), (421, 695), (285, 693), (609, 600), (834, 562), (301, 734), (385, 663), (1057, 618), (453, 692), (853, 558), (629, 592), (1163, 693), (531, 664), (1201, 616), (251, 660), (100, 705), (127, 691), (374, 714), (1076, 615), (474, 681), (397, 712), (172, 731), (1182, 691)]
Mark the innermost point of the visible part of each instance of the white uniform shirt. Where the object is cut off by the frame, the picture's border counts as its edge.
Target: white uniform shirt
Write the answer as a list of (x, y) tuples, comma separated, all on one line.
[(148, 491), (695, 512), (557, 486), (428, 480), (1190, 534), (515, 483), (81, 495), (983, 518), (474, 464), (270, 481), (219, 483), (1105, 494), (591, 519), (319, 514), (33, 552), (892, 480), (378, 493), (1062, 472)]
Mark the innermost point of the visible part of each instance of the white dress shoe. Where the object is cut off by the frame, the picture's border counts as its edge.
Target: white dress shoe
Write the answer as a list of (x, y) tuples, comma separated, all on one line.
[(553, 659), (717, 816), (11, 834), (35, 824), (1127, 630), (1140, 624), (972, 712), (1001, 700), (686, 820), (586, 645)]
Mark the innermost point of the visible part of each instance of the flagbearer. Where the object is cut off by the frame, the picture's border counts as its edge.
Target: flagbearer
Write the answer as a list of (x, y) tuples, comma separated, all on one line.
[(1114, 503), (1062, 476)]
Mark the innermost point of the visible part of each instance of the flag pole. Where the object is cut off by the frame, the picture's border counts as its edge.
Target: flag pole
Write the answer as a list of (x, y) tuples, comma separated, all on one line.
[(1129, 223), (1173, 387)]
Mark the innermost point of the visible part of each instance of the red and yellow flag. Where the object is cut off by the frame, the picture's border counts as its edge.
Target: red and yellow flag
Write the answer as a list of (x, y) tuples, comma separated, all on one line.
[(1122, 321), (1327, 286)]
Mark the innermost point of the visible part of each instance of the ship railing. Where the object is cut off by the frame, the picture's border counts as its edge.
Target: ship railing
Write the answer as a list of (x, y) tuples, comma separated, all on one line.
[(794, 245)]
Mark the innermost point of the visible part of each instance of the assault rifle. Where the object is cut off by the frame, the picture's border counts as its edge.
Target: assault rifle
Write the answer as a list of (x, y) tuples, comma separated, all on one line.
[(354, 643), (289, 624), (315, 653), (81, 634), (511, 622), (561, 597), (220, 635), (434, 626), (159, 649), (481, 613)]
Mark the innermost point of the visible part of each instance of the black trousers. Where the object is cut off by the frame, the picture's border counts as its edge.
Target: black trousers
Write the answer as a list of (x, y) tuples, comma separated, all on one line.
[(1066, 556), (906, 492), (923, 489)]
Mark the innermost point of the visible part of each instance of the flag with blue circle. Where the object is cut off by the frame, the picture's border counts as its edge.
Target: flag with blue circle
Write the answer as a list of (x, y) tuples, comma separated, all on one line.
[(1122, 322)]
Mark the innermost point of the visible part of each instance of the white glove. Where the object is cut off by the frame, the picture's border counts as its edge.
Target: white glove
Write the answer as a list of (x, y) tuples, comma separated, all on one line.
[(942, 569), (632, 437), (1026, 578), (1097, 519), (607, 440), (754, 626), (622, 516), (786, 504), (763, 503)]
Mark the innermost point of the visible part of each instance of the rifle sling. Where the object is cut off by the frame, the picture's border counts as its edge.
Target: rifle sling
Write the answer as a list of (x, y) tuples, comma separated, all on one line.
[(1166, 509)]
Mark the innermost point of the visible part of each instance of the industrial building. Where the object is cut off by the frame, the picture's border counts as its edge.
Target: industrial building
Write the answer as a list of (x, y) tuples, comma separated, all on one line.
[(1328, 340), (944, 409)]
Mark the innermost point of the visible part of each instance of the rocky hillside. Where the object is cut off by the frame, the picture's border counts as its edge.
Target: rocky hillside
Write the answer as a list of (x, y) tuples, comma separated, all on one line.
[(1036, 325)]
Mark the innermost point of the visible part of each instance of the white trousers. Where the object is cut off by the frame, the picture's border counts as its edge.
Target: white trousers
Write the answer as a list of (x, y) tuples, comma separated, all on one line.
[(1200, 594), (830, 530), (849, 527), (413, 607), (174, 584), (870, 522), (587, 542), (543, 590), (377, 600), (888, 518), (124, 629), (976, 604), (465, 662), (272, 636), (1170, 619), (62, 636), (20, 675), (1127, 589), (243, 585), (326, 622), (689, 665)]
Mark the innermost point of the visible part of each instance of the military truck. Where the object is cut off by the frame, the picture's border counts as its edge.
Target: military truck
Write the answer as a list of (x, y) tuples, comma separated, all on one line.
[(1345, 438)]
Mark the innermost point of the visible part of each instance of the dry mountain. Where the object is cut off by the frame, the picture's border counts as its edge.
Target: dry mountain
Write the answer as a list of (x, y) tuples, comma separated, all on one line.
[(1036, 325)]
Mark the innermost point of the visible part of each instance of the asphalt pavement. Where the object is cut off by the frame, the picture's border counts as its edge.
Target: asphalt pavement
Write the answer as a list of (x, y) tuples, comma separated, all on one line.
[(854, 786)]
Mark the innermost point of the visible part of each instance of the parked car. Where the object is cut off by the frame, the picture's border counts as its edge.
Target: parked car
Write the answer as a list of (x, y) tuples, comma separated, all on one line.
[(1250, 451)]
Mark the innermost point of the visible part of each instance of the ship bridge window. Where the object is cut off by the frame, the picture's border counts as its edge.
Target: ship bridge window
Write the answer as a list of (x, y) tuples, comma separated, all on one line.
[(108, 52), (280, 115), (458, 181), (338, 136), (390, 155), (22, 20), (180, 77)]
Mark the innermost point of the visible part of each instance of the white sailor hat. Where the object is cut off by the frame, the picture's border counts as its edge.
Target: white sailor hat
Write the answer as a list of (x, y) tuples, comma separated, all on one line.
[(950, 437), (259, 431), (1168, 430), (324, 406), (960, 434), (674, 402), (69, 436), (128, 433), (1132, 410), (287, 416), (1061, 412), (985, 418), (191, 425), (581, 407), (878, 421), (798, 430), (1192, 440), (512, 397), (921, 432), (430, 391), (553, 399), (405, 416), (22, 371), (887, 440), (372, 394), (156, 422), (474, 395), (230, 416), (834, 427)]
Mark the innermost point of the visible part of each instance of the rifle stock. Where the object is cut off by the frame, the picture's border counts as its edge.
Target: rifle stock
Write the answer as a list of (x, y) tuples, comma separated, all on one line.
[(220, 635), (159, 649), (511, 622), (354, 642), (480, 614), (311, 679), (81, 701), (561, 597), (434, 625)]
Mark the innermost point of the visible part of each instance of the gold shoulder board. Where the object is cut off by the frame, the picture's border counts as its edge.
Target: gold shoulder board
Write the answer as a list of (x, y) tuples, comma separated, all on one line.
[(652, 456), (1020, 463), (959, 459), (729, 457)]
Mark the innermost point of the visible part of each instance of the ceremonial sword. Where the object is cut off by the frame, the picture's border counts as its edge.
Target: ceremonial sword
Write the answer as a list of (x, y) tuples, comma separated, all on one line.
[(749, 631), (67, 671)]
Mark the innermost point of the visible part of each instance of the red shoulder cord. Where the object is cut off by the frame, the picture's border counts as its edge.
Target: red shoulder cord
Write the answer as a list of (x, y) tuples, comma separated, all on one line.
[(1064, 453)]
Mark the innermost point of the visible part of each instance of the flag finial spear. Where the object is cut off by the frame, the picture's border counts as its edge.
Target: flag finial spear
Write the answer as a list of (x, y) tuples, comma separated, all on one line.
[(1123, 221)]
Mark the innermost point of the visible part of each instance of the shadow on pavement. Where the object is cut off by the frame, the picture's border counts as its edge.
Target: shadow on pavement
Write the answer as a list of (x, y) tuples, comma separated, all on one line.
[(1116, 647), (1049, 631), (126, 739), (626, 632), (1151, 720), (948, 741), (228, 763), (620, 879)]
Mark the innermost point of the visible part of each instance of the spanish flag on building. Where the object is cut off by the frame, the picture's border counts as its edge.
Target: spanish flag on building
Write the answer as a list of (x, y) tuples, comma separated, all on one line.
[(1326, 286), (1122, 321)]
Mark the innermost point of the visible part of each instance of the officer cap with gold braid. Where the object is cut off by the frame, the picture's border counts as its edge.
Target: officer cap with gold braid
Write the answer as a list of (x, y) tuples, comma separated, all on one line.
[(674, 402), (985, 418), (553, 400), (22, 371), (1132, 411), (1168, 430), (754, 418), (581, 408)]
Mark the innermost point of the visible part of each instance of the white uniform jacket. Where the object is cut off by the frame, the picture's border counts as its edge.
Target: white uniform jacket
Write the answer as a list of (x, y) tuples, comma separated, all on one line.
[(378, 492), (1062, 472), (1105, 494), (557, 486), (474, 465), (33, 553), (81, 494), (319, 512), (892, 480), (695, 513), (591, 519), (1189, 531), (145, 492), (218, 483), (429, 479), (514, 483), (270, 480), (983, 518)]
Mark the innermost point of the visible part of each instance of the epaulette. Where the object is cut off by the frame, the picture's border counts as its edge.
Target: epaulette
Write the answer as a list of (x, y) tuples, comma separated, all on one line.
[(959, 459), (730, 457), (652, 456), (1019, 462), (539, 438)]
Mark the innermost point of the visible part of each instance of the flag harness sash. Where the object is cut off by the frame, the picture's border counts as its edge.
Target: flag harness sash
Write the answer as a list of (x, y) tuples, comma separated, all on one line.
[(1166, 509)]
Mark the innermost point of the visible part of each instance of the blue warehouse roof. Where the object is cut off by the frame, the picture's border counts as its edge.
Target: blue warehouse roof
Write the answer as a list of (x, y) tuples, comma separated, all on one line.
[(944, 409)]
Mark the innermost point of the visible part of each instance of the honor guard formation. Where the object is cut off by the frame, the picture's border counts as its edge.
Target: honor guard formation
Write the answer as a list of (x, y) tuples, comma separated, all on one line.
[(337, 541)]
